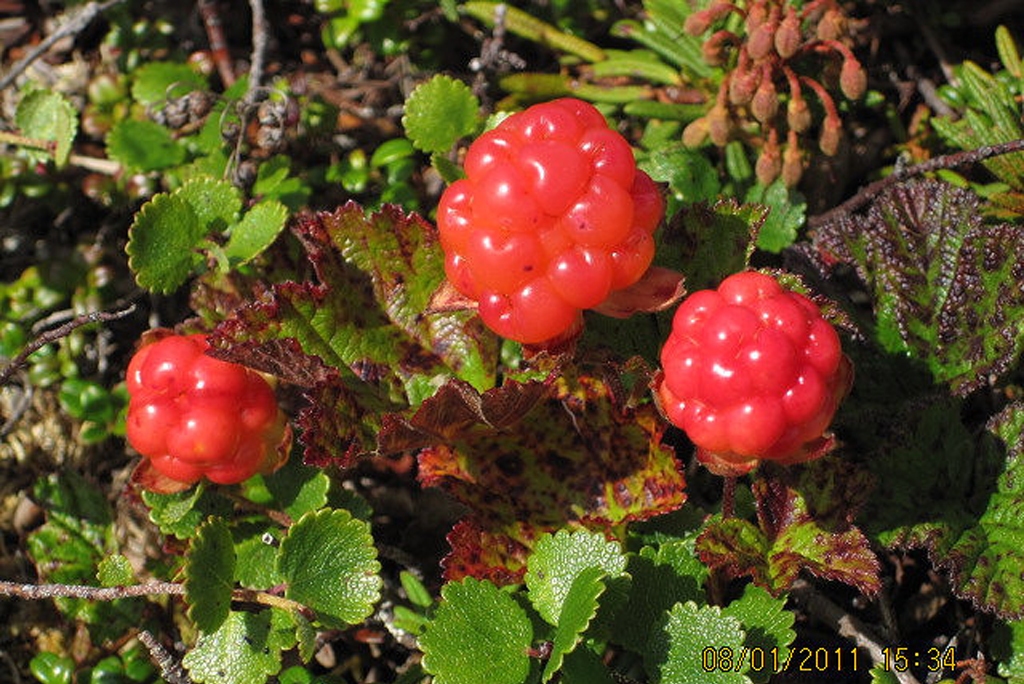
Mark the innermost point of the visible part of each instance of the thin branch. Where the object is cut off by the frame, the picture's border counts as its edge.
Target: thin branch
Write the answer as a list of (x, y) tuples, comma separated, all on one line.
[(946, 161), (844, 624), (218, 43), (58, 333), (76, 24), (170, 669), (259, 45)]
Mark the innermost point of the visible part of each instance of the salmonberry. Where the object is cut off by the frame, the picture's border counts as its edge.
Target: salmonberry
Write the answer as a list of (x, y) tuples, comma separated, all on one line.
[(194, 416), (751, 371), (552, 217)]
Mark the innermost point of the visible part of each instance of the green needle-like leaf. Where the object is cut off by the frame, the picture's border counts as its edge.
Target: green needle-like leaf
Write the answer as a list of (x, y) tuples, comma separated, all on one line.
[(558, 559), (330, 564), (210, 575), (479, 635)]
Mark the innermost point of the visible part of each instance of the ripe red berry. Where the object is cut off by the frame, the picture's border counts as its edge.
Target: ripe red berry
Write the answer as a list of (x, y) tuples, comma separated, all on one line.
[(194, 416), (751, 371), (552, 216)]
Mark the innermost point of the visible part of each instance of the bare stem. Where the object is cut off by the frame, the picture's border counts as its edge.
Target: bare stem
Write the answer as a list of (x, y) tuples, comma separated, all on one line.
[(946, 161), (58, 333)]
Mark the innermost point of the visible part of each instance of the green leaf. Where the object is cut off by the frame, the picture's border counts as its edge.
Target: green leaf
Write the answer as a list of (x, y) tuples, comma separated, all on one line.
[(937, 274), (1007, 648), (210, 575), (46, 115), (245, 649), (559, 558), (479, 635), (155, 82), (115, 571), (677, 647), (439, 112), (689, 173), (143, 145), (162, 242), (414, 590), (216, 202), (330, 564), (523, 24), (583, 666), (768, 626), (180, 514), (256, 555), (710, 243), (578, 608), (50, 668), (256, 231), (785, 218), (298, 489)]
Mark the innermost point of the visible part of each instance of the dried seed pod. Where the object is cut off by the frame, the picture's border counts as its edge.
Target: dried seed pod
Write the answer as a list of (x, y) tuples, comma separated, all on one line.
[(765, 104), (832, 25), (719, 125), (798, 114), (792, 161), (696, 132), (831, 135), (769, 162), (788, 37), (853, 80)]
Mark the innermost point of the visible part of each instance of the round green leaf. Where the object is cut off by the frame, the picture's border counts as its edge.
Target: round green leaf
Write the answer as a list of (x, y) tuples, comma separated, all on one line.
[(558, 559), (479, 635), (156, 81), (439, 112), (115, 571), (245, 649), (330, 564), (678, 643), (162, 243), (210, 575), (46, 115), (143, 146), (256, 231), (215, 201)]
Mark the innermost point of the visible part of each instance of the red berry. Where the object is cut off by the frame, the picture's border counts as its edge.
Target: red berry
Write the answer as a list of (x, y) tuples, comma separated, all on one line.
[(552, 216), (192, 415), (751, 371)]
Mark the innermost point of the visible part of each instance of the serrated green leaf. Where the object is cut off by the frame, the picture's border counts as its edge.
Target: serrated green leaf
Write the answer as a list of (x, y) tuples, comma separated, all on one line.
[(256, 231), (768, 626), (557, 560), (245, 649), (115, 571), (709, 243), (256, 556), (298, 489), (938, 275), (47, 115), (155, 82), (180, 514), (216, 202), (479, 635), (162, 242), (689, 174), (785, 218), (210, 575), (330, 564), (143, 145), (578, 608), (583, 666), (1007, 648), (439, 112), (676, 650)]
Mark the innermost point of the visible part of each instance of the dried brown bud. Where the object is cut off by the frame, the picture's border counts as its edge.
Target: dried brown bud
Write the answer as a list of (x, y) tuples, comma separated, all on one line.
[(853, 80), (761, 41), (743, 84), (765, 104), (831, 134), (769, 162), (696, 132), (832, 25), (798, 114), (719, 125), (792, 161), (788, 38)]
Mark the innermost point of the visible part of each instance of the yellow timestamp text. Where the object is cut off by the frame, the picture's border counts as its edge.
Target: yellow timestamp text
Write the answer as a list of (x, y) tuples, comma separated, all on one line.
[(903, 658)]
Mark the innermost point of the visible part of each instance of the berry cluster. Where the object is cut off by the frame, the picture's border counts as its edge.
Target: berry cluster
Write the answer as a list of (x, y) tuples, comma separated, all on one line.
[(193, 416), (751, 371), (764, 59), (551, 217)]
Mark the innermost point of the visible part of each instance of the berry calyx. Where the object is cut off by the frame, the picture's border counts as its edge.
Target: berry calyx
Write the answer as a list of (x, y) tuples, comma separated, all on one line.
[(551, 218), (752, 371), (192, 416)]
